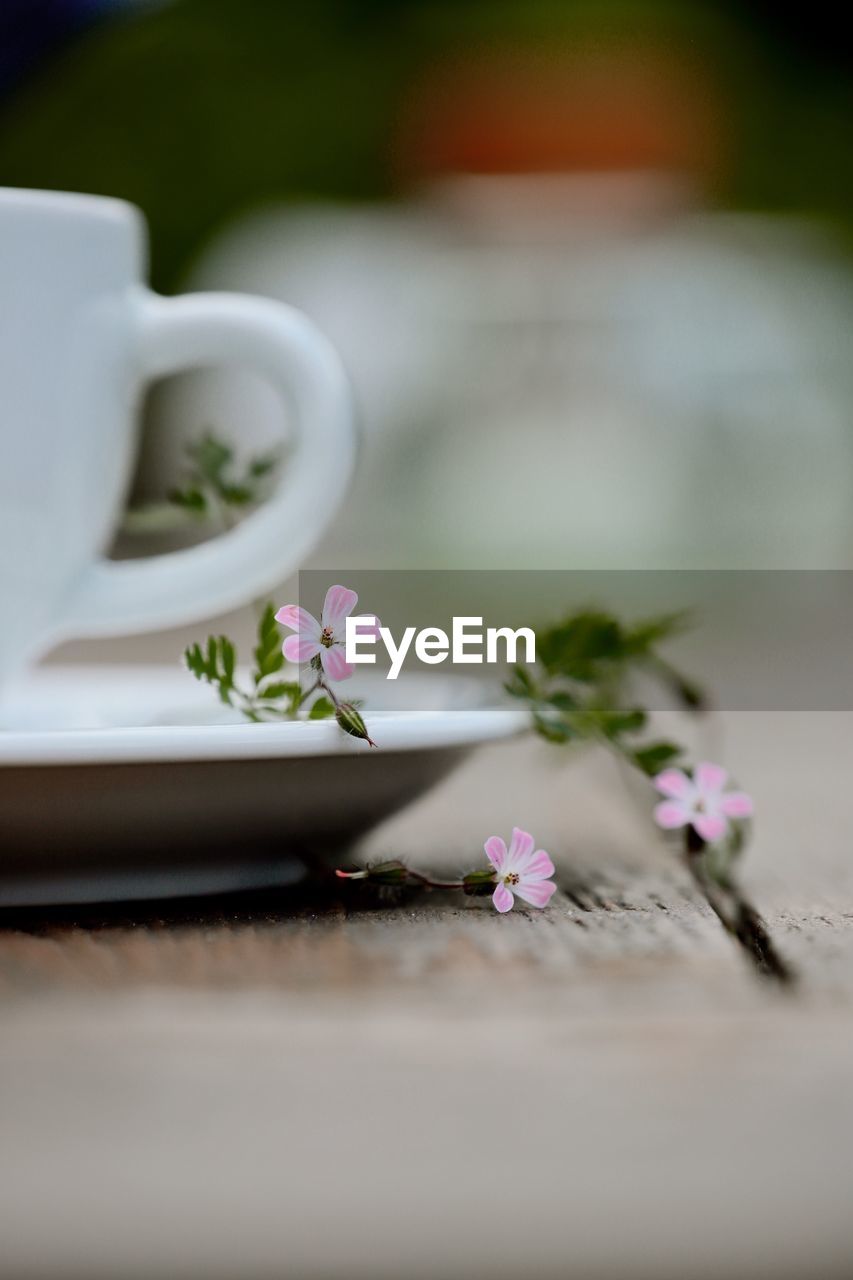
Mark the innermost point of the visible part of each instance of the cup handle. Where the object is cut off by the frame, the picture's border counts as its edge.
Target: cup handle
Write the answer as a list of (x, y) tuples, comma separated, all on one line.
[(283, 346)]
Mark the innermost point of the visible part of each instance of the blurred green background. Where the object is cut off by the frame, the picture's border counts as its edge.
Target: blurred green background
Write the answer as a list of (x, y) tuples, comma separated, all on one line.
[(197, 110)]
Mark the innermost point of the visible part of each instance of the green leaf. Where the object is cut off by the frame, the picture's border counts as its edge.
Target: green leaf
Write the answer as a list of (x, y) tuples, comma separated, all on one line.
[(209, 476), (563, 701), (211, 457), (642, 636), (586, 659), (272, 663), (579, 646), (322, 709), (228, 658), (236, 495), (614, 723), (586, 643), (689, 694), (521, 684), (194, 659), (281, 689), (215, 664), (551, 724), (191, 499), (655, 757), (262, 465), (267, 653)]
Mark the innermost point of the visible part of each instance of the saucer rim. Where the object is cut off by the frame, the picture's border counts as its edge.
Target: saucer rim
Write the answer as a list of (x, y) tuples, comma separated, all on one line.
[(414, 730)]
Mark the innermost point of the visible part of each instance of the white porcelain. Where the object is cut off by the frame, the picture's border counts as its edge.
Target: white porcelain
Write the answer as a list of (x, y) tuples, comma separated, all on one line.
[(80, 335), (128, 782)]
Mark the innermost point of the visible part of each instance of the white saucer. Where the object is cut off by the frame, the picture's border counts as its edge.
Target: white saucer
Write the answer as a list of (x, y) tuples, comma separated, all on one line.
[(121, 782)]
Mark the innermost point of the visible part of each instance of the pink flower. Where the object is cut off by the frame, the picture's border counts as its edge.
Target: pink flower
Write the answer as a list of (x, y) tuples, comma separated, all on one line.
[(699, 801), (326, 638), (519, 871)]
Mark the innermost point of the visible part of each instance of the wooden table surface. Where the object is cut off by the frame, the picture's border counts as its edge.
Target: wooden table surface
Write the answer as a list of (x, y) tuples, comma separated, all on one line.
[(308, 1083)]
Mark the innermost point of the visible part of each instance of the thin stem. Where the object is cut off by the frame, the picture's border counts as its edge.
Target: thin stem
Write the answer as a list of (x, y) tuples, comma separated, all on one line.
[(398, 875), (434, 884), (736, 913), (327, 689), (248, 707)]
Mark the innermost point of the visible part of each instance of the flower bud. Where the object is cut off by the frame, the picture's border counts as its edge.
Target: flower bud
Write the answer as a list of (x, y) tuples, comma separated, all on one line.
[(478, 883), (392, 872), (349, 719)]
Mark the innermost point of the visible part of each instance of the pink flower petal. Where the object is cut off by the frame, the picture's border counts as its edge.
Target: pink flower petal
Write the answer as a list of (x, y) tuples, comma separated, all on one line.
[(334, 662), (710, 826), (502, 898), (673, 783), (300, 648), (736, 804), (290, 615), (337, 606), (539, 867), (670, 814), (520, 846), (495, 852), (710, 777), (368, 625), (538, 893)]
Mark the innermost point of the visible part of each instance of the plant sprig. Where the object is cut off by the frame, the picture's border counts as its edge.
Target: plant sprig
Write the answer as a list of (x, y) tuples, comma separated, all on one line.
[(212, 488), (579, 693), (210, 479), (212, 492), (268, 697), (579, 690)]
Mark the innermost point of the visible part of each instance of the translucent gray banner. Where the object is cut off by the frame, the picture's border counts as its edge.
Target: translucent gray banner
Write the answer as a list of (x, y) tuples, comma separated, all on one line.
[(754, 640)]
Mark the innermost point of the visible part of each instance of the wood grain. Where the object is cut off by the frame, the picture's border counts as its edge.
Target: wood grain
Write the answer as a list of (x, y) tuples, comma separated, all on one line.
[(315, 1083)]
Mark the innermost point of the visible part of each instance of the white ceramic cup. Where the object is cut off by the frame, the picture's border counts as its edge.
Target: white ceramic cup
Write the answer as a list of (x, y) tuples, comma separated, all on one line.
[(80, 334)]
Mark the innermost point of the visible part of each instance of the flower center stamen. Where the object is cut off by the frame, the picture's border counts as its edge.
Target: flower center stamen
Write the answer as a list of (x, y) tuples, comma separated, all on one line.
[(511, 878), (327, 638)]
